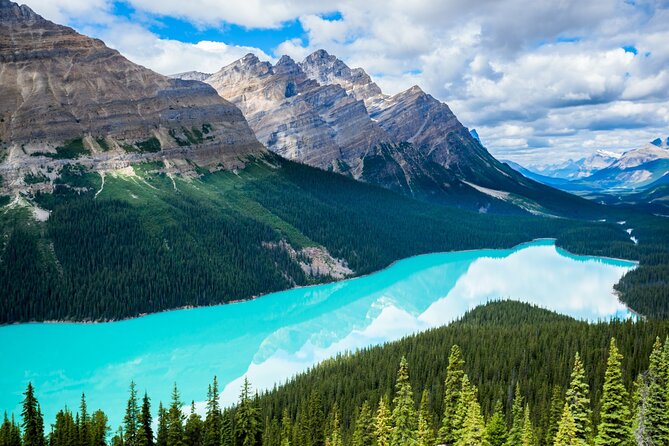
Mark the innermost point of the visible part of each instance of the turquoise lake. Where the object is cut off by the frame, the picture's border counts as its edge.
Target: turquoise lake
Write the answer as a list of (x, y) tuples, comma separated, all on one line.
[(273, 337)]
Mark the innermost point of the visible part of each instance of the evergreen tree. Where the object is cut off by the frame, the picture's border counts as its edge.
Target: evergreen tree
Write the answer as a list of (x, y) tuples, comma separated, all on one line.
[(335, 438), (404, 410), (144, 429), (84, 423), (117, 440), (131, 418), (287, 429), (452, 388), (175, 418), (213, 423), (527, 439), (228, 429), (615, 423), (272, 434), (10, 434), (467, 398), (315, 420), (640, 406), (555, 415), (496, 431), (247, 418), (578, 398), (516, 432), (33, 423), (566, 433), (99, 428), (657, 413), (383, 423), (473, 432), (425, 434), (193, 428), (163, 424), (363, 433)]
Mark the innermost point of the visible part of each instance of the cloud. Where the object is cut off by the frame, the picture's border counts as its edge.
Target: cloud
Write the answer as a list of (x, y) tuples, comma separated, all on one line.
[(563, 71)]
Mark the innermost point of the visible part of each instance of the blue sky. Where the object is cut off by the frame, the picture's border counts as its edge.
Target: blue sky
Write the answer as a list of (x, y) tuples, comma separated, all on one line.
[(538, 80)]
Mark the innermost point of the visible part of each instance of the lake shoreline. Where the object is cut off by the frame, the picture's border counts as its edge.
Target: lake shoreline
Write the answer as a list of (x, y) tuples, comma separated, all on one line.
[(252, 298)]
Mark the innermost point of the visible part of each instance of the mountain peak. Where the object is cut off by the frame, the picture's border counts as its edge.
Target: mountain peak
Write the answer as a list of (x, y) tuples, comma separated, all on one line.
[(10, 11), (318, 54)]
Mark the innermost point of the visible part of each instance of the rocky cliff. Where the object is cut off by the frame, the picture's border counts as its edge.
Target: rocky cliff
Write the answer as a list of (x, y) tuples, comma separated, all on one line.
[(65, 96)]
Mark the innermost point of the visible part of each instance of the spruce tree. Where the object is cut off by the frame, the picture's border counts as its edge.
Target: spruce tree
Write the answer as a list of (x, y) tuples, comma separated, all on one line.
[(161, 435), (131, 418), (33, 423), (247, 418), (363, 433), (84, 423), (516, 432), (452, 388), (555, 414), (566, 433), (496, 431), (228, 429), (657, 414), (10, 433), (615, 427), (527, 439), (578, 398), (404, 410), (213, 423), (193, 428), (382, 423), (315, 420), (640, 407), (144, 429), (473, 432), (467, 397), (287, 429), (425, 434), (99, 428), (335, 438), (175, 418)]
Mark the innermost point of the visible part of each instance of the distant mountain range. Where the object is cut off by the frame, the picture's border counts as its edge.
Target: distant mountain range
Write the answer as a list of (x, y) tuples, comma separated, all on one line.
[(323, 113), (637, 177)]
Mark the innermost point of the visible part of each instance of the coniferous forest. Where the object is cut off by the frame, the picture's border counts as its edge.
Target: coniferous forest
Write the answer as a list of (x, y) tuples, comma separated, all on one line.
[(505, 374), (151, 242)]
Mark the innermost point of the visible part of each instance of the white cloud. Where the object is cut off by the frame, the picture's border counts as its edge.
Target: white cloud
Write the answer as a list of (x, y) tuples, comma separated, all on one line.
[(556, 69)]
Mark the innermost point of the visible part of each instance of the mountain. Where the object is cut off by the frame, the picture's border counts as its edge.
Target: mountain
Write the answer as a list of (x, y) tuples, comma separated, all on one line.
[(67, 96), (580, 168), (325, 114)]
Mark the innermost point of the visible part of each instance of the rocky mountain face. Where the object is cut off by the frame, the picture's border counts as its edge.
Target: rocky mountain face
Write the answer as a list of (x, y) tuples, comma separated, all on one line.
[(67, 96), (323, 113)]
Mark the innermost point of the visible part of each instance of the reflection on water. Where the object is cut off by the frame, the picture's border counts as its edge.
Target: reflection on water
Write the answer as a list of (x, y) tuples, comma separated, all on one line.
[(272, 338)]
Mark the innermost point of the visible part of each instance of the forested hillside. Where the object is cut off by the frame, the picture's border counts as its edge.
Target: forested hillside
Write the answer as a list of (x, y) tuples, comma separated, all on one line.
[(145, 239), (505, 374)]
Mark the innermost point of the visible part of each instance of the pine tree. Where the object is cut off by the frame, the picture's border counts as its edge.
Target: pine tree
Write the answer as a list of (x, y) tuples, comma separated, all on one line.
[(315, 420), (193, 428), (363, 433), (33, 423), (467, 397), (117, 440), (555, 414), (228, 429), (615, 422), (99, 428), (10, 433), (496, 431), (566, 433), (335, 433), (131, 418), (404, 410), (516, 432), (144, 429), (640, 406), (382, 424), (578, 398), (452, 388), (425, 435), (657, 413), (472, 432), (287, 429), (247, 418), (175, 418), (213, 423), (84, 422), (527, 439), (161, 436)]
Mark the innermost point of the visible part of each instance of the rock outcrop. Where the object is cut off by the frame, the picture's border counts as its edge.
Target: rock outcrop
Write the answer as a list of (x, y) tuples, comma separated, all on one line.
[(65, 95)]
